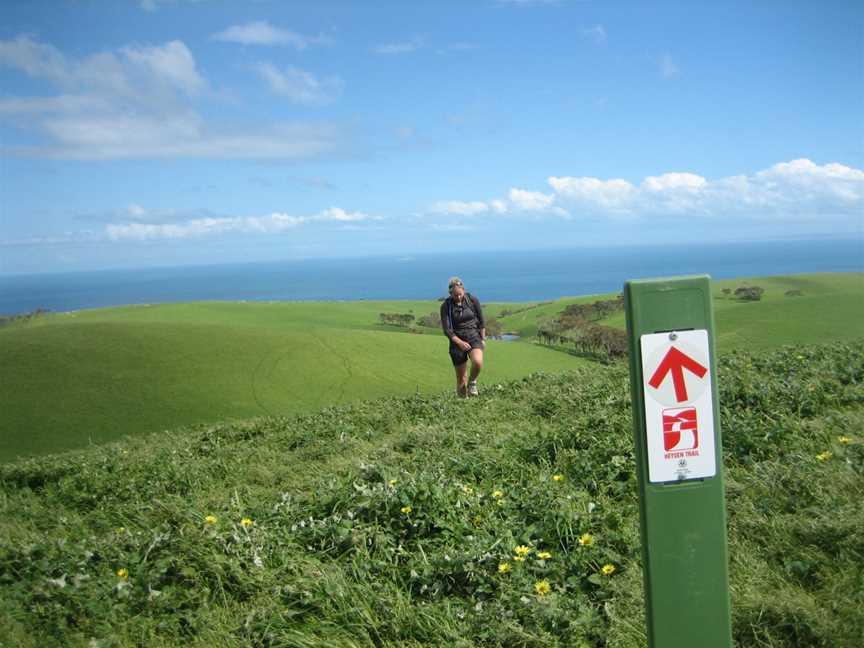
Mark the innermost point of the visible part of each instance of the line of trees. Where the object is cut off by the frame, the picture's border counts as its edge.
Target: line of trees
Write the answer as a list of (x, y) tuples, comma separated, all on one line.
[(433, 320), (23, 317), (397, 319), (576, 329), (594, 311)]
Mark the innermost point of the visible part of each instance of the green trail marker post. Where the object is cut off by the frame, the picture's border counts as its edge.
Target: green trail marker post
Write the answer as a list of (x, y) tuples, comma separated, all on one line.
[(673, 384)]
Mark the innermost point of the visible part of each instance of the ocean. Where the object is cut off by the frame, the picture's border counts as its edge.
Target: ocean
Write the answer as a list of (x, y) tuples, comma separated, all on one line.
[(492, 276)]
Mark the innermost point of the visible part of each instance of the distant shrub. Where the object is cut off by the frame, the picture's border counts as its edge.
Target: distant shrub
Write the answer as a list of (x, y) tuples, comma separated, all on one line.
[(23, 317), (727, 291), (397, 319), (432, 320), (749, 293), (594, 311), (493, 328), (793, 293), (576, 327)]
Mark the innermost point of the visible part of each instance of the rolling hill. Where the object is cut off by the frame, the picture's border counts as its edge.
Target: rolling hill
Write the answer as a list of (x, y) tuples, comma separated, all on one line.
[(89, 377)]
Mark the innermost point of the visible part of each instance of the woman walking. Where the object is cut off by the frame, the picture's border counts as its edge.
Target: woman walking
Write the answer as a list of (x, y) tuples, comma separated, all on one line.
[(463, 324)]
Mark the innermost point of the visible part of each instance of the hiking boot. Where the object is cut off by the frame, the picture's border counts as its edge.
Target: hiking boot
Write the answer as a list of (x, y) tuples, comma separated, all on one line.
[(472, 388)]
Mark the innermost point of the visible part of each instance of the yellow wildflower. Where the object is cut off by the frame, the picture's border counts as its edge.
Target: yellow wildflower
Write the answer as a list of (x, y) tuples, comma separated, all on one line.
[(477, 520), (467, 490), (504, 568), (558, 478), (120, 529), (608, 569), (522, 550), (844, 439), (544, 555), (406, 509), (824, 456), (211, 519), (497, 494), (500, 502), (586, 540), (392, 482), (519, 558), (542, 587), (246, 522), (123, 573)]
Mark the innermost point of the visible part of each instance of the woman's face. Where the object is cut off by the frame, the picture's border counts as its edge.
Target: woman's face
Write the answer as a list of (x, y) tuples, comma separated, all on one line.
[(457, 291)]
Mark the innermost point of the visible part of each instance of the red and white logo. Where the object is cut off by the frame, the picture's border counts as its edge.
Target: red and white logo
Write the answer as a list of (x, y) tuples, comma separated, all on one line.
[(679, 429)]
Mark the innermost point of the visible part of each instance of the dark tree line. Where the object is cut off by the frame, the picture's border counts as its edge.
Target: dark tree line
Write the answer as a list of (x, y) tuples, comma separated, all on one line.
[(23, 317), (397, 319), (433, 320), (576, 328)]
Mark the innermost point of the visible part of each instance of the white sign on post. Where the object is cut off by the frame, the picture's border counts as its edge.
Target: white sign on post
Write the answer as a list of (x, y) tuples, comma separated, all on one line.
[(679, 412)]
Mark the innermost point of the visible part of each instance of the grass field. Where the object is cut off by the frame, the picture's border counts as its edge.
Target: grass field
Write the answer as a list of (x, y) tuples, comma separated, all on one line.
[(92, 376), (508, 520)]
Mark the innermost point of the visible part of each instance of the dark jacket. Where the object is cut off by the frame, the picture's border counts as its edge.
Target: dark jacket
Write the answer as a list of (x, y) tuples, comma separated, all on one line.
[(451, 325)]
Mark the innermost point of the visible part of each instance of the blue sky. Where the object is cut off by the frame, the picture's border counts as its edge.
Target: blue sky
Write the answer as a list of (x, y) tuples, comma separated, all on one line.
[(173, 132)]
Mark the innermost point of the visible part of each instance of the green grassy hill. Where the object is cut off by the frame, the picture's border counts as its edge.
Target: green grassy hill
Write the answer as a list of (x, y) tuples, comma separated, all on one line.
[(830, 307), (92, 376), (397, 521)]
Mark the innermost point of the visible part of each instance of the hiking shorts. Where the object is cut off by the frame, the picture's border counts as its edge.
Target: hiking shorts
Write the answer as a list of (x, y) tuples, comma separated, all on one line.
[(457, 355)]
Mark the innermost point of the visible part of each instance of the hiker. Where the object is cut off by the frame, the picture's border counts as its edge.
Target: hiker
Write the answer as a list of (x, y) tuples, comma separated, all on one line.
[(463, 324)]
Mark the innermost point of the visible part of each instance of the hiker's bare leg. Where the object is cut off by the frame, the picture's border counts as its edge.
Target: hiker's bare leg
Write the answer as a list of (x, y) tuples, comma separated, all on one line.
[(462, 378), (476, 363)]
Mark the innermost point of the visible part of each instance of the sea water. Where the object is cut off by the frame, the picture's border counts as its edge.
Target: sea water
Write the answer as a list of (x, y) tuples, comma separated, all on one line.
[(492, 276)]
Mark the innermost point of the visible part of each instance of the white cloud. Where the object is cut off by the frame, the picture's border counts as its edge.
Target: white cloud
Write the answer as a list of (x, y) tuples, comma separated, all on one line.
[(298, 85), (530, 200), (261, 32), (339, 214), (459, 207), (518, 200), (136, 102), (403, 47), (172, 62), (132, 73), (800, 188), (597, 33), (668, 69), (499, 206), (606, 195), (274, 223), (674, 181), (35, 59)]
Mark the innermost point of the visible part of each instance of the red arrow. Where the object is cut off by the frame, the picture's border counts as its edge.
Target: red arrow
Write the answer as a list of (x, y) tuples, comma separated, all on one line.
[(676, 362)]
